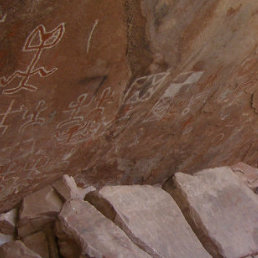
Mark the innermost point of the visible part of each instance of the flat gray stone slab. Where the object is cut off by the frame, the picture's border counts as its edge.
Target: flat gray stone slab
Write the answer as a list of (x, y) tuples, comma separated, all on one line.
[(153, 220), (223, 210), (96, 235)]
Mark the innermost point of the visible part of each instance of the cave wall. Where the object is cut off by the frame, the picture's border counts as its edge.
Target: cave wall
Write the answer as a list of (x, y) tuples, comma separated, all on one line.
[(124, 91)]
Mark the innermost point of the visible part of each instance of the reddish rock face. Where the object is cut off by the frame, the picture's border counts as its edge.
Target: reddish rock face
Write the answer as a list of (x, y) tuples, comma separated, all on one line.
[(63, 70), (124, 91)]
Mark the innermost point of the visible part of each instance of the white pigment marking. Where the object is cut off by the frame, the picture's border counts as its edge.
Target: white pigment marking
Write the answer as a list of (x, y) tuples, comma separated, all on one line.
[(91, 34)]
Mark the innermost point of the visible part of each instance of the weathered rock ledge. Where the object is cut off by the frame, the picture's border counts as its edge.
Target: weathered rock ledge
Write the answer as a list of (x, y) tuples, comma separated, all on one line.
[(124, 91), (213, 213)]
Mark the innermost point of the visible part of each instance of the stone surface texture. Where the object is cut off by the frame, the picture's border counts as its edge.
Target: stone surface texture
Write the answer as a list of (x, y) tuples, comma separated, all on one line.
[(8, 222), (96, 235), (103, 89), (153, 221), (16, 249), (222, 209), (38, 209)]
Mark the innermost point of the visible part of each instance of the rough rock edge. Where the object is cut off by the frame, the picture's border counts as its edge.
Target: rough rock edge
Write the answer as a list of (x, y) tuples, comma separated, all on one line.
[(86, 249), (68, 231), (106, 208), (192, 217)]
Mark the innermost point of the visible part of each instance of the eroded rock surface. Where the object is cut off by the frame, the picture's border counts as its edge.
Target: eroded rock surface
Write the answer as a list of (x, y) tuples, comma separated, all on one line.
[(124, 92), (96, 235), (222, 209), (63, 71)]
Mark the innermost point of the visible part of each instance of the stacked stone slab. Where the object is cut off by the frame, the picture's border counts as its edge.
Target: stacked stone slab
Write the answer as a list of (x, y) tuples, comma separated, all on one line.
[(151, 218), (36, 222), (222, 210), (212, 213), (96, 235)]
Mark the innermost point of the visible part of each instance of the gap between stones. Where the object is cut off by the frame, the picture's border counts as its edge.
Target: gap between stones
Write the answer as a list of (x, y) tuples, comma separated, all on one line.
[(106, 209)]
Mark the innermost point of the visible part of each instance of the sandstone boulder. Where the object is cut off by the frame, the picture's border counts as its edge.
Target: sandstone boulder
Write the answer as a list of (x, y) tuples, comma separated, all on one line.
[(152, 219), (38, 243), (96, 235), (38, 209), (16, 249), (248, 174), (222, 210), (68, 189), (8, 222)]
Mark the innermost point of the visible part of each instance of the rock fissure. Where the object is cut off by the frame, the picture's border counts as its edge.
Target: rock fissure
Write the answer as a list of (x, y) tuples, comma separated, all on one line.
[(192, 218)]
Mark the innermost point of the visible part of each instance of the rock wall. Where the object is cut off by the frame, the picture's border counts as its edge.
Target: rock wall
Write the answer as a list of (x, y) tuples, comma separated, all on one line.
[(124, 91)]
